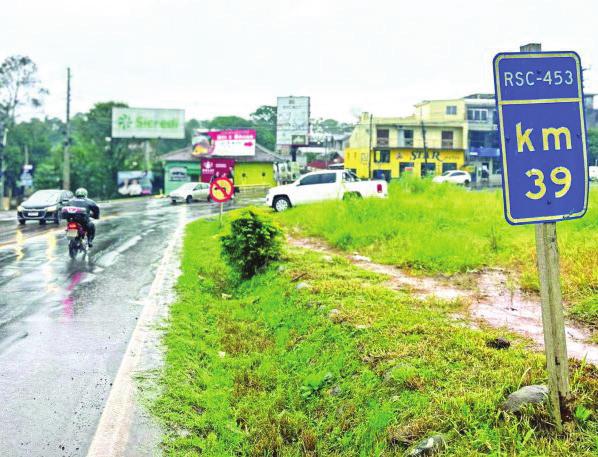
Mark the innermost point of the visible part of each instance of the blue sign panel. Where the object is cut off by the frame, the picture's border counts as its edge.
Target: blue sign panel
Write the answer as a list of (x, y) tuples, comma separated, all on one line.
[(539, 98)]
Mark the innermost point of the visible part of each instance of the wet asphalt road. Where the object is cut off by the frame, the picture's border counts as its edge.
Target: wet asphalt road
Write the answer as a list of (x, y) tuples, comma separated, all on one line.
[(64, 325)]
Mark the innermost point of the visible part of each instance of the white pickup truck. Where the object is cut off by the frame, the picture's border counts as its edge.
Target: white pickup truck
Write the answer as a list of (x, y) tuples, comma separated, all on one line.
[(324, 185)]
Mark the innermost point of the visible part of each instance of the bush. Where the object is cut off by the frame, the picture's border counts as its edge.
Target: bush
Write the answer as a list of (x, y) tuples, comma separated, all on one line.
[(252, 244)]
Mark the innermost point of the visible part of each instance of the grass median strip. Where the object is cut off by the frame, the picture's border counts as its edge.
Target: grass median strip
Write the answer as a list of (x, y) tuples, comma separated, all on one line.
[(447, 229), (317, 357)]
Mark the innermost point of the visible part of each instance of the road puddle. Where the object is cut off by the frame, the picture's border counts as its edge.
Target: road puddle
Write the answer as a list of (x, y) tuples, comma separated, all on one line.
[(496, 301)]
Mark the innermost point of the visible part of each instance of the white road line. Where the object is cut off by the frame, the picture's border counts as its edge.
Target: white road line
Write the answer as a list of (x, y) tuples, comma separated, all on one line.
[(112, 434)]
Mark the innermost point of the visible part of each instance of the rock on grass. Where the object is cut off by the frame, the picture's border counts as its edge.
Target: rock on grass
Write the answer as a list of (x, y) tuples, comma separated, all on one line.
[(429, 446), (525, 395)]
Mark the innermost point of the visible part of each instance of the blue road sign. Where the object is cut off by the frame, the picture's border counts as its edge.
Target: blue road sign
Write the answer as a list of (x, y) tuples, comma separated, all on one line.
[(539, 99)]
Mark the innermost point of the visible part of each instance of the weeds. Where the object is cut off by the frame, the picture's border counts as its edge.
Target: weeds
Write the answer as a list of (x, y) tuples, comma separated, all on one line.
[(448, 229), (267, 371)]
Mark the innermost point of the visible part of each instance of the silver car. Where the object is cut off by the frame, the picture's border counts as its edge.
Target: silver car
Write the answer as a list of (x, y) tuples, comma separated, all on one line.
[(43, 206)]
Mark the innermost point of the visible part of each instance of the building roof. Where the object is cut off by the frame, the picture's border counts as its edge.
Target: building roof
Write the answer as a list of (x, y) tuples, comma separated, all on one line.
[(261, 155)]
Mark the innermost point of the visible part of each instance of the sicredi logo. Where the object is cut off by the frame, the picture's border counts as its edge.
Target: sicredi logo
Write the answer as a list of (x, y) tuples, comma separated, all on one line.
[(148, 123), (124, 122)]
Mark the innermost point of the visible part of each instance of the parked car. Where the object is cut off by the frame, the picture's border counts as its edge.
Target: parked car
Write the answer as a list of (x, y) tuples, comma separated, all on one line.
[(593, 171), (324, 185), (43, 205), (190, 191), (455, 177)]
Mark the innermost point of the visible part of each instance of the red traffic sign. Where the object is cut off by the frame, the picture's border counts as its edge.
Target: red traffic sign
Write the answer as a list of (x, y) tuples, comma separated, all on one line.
[(221, 190)]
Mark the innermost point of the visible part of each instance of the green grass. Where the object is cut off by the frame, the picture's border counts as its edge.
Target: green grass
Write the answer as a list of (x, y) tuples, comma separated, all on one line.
[(261, 369), (446, 229)]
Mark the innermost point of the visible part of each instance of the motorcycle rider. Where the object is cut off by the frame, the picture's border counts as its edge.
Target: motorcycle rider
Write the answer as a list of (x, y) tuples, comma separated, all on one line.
[(91, 209)]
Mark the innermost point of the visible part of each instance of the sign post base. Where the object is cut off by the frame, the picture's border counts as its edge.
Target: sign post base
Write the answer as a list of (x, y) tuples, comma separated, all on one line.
[(555, 341)]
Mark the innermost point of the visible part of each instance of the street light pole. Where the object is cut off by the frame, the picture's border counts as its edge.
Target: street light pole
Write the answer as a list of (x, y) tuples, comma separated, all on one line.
[(66, 160)]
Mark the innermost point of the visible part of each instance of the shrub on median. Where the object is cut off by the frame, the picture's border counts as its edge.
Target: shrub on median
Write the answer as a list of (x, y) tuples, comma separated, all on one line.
[(253, 242)]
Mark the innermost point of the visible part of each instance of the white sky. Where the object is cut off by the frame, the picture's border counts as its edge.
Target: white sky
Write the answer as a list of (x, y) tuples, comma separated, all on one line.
[(218, 57)]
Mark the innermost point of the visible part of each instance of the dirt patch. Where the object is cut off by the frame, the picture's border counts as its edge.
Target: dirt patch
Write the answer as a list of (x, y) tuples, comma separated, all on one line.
[(495, 301)]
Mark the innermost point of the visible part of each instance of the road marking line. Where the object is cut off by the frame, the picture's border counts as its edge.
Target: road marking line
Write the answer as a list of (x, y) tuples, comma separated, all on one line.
[(112, 433)]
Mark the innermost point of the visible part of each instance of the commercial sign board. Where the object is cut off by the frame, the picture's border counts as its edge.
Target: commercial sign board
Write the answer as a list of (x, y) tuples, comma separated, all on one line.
[(292, 121), (213, 167), (229, 143), (539, 99), (143, 123)]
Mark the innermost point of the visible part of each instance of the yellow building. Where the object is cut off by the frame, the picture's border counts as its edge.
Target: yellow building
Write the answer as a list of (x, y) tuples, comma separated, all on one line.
[(388, 147)]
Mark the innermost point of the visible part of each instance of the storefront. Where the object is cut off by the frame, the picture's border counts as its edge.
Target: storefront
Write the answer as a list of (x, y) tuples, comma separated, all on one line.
[(395, 162), (248, 172)]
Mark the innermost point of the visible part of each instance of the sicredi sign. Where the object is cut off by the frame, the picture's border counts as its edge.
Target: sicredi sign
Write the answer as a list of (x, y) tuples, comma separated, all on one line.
[(148, 123), (539, 99)]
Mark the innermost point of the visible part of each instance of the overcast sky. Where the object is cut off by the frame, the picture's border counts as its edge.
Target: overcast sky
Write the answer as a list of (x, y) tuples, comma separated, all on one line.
[(217, 57)]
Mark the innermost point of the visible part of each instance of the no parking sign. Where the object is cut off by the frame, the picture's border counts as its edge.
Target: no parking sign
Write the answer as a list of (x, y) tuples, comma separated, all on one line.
[(221, 190)]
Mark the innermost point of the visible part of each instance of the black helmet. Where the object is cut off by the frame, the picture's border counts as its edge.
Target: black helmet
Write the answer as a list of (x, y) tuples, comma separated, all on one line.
[(81, 192)]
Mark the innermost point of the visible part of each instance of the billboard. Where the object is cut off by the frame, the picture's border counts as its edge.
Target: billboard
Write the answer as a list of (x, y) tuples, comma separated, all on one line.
[(292, 121), (213, 167), (134, 183), (229, 143), (144, 123)]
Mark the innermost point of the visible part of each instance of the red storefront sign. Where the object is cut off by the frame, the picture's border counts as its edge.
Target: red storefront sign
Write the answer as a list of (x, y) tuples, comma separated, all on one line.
[(212, 167)]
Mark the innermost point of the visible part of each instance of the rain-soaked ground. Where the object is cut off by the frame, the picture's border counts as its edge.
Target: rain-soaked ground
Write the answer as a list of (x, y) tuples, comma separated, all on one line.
[(492, 300), (64, 325)]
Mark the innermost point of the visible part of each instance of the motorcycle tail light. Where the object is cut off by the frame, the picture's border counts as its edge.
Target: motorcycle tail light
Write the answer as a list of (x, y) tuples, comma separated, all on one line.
[(72, 226)]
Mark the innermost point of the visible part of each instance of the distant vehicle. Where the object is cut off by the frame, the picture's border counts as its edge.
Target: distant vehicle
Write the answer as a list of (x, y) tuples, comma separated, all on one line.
[(43, 206), (324, 185), (190, 191), (593, 171), (454, 177)]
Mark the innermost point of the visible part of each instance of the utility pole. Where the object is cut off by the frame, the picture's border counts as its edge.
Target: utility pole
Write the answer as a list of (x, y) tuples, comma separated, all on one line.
[(3, 136), (425, 148), (66, 160), (370, 150)]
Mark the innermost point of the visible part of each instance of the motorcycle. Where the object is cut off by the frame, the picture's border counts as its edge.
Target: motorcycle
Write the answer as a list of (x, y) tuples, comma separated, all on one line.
[(75, 232)]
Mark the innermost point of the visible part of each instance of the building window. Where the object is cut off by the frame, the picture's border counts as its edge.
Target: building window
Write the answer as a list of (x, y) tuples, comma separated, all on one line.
[(408, 137), (451, 110), (477, 114), (447, 139), (382, 157), (382, 137)]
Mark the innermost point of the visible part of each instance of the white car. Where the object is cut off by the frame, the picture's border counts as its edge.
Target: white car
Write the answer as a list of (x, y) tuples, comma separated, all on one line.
[(324, 185), (455, 177), (190, 191), (593, 172)]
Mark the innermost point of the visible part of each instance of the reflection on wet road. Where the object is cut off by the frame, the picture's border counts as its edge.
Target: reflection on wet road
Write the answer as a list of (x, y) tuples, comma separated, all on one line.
[(64, 325)]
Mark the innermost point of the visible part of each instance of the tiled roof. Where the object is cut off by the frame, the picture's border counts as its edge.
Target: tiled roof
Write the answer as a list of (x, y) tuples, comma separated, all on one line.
[(261, 155)]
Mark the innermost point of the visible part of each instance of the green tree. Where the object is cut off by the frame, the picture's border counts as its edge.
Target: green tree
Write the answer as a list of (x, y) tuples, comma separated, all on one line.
[(96, 158), (229, 123), (19, 86), (36, 139), (593, 146), (264, 120)]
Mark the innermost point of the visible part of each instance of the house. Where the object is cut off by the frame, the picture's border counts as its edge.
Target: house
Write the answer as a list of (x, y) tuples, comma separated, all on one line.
[(429, 142), (259, 171)]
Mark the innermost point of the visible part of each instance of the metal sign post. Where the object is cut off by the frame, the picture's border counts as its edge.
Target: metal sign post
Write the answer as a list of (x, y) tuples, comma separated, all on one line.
[(539, 97)]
